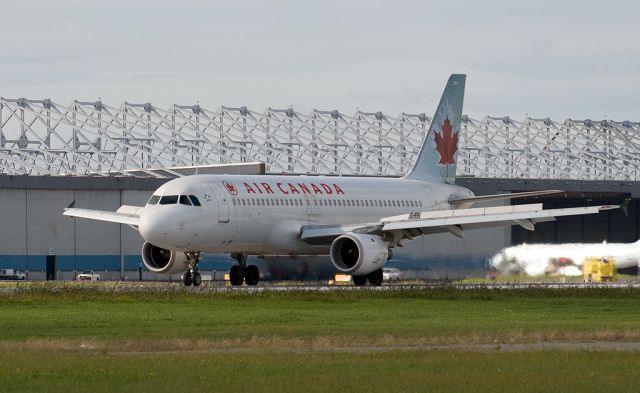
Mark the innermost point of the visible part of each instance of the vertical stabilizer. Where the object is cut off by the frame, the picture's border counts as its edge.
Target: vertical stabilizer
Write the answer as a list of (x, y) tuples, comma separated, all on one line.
[(437, 159)]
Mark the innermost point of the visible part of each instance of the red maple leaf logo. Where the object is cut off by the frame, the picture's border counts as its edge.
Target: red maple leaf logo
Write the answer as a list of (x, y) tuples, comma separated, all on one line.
[(447, 143), (230, 187)]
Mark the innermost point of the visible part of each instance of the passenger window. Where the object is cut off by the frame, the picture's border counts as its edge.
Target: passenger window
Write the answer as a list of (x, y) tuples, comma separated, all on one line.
[(169, 200), (184, 200), (154, 199), (194, 200)]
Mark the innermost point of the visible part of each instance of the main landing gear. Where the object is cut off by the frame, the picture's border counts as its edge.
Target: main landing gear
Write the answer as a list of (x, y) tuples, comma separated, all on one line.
[(192, 275), (241, 272), (374, 278)]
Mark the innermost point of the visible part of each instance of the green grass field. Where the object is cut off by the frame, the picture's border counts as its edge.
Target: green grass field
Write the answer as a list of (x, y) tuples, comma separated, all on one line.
[(76, 338)]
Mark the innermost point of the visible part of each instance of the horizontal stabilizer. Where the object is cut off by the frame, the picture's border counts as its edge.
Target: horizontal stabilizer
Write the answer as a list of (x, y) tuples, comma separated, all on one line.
[(498, 197)]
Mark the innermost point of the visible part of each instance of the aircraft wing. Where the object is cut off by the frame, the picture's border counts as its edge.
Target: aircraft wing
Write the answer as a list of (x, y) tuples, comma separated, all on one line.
[(129, 215), (453, 221), (499, 197)]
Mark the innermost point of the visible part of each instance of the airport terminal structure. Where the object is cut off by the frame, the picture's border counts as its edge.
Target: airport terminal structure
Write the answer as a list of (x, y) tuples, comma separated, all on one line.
[(101, 156)]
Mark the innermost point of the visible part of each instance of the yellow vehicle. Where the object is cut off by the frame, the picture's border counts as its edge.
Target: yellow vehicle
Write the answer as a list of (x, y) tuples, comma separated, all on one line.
[(598, 269), (341, 279)]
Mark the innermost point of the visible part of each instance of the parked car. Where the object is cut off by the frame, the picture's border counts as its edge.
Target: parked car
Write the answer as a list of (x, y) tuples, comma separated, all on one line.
[(11, 274), (88, 275), (391, 274)]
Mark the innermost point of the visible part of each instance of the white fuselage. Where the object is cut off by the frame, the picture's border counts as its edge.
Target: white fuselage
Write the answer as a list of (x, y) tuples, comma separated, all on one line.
[(265, 214), (534, 259)]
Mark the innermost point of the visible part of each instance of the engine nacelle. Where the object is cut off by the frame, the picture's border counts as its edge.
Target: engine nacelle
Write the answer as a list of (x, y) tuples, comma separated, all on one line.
[(357, 254), (163, 261)]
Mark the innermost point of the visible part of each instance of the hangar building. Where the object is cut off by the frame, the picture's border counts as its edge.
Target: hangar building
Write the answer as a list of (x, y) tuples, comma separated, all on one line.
[(103, 156)]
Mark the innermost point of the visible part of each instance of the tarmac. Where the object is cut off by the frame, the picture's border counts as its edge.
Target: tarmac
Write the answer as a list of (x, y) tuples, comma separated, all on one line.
[(222, 287)]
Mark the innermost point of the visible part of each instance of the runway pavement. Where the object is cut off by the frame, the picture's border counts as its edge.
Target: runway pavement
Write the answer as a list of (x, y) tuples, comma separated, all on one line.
[(221, 287)]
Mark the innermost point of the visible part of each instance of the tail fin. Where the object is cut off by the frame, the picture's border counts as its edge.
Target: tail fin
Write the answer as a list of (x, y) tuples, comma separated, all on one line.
[(437, 158)]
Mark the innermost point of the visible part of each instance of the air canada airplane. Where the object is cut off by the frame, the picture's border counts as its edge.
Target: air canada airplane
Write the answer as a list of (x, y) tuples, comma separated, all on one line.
[(357, 221)]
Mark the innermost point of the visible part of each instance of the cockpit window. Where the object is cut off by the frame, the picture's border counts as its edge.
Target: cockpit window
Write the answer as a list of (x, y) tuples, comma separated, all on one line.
[(194, 200), (184, 200), (154, 199), (169, 200)]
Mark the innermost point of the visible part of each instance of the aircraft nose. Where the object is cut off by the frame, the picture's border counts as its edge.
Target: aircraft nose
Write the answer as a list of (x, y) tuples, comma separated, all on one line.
[(153, 227)]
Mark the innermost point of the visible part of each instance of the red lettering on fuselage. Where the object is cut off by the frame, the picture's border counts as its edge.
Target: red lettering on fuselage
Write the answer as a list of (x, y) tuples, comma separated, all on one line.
[(250, 189), (304, 188), (279, 185), (316, 189), (327, 189), (267, 188), (293, 189)]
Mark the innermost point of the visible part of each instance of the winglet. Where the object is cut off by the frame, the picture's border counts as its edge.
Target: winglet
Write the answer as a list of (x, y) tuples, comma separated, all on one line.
[(625, 206), (71, 205)]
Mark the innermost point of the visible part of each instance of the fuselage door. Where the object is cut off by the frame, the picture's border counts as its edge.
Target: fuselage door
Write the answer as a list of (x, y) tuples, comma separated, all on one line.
[(311, 204), (223, 201)]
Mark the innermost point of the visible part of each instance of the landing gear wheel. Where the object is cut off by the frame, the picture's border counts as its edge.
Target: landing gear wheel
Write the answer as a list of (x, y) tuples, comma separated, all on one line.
[(375, 278), (236, 275), (187, 278), (359, 281), (197, 279), (251, 275)]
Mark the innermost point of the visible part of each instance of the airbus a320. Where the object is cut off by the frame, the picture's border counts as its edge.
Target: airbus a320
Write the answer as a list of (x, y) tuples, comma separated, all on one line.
[(357, 221)]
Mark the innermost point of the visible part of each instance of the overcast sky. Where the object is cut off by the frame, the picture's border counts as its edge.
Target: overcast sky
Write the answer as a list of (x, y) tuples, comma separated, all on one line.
[(573, 59)]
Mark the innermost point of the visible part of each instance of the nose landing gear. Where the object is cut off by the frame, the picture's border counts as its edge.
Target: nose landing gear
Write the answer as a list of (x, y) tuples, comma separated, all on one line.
[(192, 275), (242, 273)]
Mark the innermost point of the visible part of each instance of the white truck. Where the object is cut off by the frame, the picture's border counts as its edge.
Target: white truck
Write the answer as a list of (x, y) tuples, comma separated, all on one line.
[(11, 274), (391, 274), (88, 275)]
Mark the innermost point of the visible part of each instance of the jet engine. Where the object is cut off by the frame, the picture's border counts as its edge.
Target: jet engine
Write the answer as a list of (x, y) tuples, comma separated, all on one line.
[(160, 260), (357, 254)]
